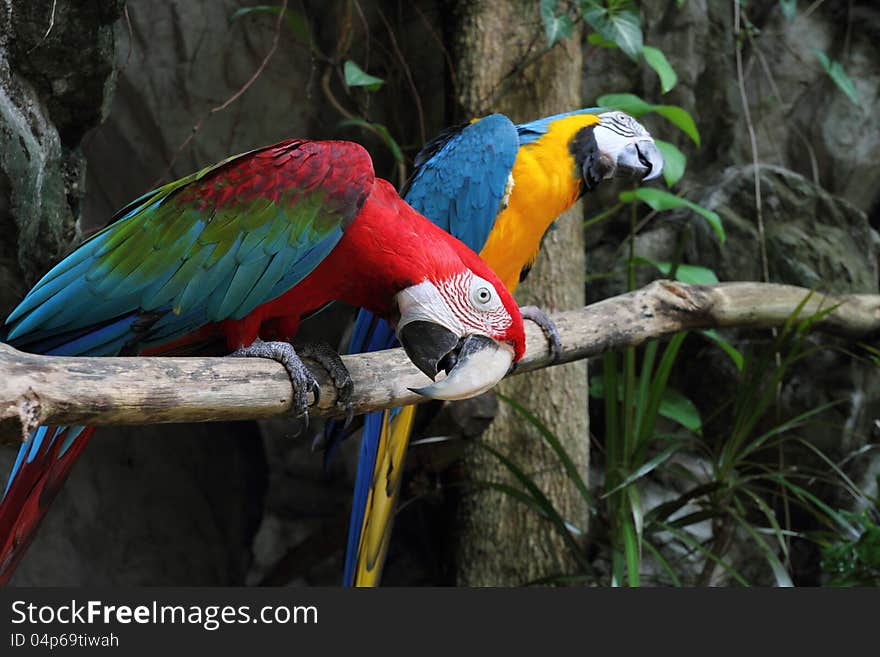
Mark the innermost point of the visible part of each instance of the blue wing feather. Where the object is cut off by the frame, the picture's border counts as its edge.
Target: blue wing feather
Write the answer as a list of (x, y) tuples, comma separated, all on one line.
[(461, 187)]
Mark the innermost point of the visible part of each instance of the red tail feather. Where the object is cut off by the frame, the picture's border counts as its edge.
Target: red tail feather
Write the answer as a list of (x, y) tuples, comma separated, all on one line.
[(29, 497)]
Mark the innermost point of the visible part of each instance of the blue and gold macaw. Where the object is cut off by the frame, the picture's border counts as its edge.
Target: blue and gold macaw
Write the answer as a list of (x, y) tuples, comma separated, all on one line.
[(498, 187)]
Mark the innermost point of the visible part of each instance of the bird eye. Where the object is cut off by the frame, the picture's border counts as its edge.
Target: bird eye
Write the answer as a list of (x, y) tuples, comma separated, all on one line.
[(483, 295)]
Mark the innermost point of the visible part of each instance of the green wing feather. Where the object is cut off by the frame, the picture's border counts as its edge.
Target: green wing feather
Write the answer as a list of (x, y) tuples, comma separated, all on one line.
[(211, 246)]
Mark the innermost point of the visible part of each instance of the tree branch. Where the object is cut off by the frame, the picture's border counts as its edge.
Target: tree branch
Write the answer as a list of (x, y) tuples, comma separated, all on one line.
[(76, 391)]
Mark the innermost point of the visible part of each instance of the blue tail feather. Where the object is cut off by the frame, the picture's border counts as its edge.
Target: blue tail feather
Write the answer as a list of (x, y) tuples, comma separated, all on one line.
[(366, 463), (369, 334)]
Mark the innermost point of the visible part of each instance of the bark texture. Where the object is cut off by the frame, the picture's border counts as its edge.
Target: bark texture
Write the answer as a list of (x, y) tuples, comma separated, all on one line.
[(54, 390), (500, 543)]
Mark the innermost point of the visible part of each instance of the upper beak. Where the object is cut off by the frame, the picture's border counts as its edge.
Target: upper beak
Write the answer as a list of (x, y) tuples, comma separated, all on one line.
[(641, 160), (473, 364)]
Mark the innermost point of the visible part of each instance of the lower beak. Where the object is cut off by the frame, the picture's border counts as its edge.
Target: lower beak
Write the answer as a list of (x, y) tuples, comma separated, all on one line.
[(641, 160), (473, 364)]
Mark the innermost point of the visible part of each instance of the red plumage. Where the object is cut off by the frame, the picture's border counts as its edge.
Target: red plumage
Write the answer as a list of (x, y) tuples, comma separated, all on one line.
[(385, 247)]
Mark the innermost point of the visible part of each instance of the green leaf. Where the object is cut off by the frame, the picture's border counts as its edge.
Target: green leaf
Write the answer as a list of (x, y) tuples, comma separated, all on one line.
[(568, 463), (632, 104), (295, 20), (596, 39), (693, 543), (629, 103), (663, 563), (789, 9), (678, 408), (681, 118), (647, 467), (555, 27), (355, 76), (728, 348), (779, 572), (617, 21), (690, 274), (660, 200), (541, 501), (835, 70), (657, 60), (674, 162)]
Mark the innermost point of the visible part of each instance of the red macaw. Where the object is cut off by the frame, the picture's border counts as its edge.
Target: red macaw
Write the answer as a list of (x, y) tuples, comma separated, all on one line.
[(246, 248), (498, 187)]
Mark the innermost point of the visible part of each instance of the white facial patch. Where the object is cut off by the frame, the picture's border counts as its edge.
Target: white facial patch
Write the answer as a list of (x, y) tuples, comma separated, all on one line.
[(616, 130), (423, 302), (466, 304)]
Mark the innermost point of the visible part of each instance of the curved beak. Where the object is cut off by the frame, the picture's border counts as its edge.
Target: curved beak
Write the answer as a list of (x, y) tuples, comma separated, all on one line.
[(641, 160), (473, 364)]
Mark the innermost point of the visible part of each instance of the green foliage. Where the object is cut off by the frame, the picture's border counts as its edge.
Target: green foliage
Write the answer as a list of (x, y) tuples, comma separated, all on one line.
[(740, 490), (660, 200), (617, 21), (856, 561), (596, 39), (615, 24), (690, 274), (355, 76), (674, 162), (556, 27), (655, 58), (726, 347), (838, 75), (674, 406)]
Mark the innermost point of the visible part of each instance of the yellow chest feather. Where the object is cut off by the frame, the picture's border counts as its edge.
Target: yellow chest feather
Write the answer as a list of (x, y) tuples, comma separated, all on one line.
[(545, 184)]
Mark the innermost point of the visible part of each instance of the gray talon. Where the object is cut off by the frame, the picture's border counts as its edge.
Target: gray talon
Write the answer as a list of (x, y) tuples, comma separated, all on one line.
[(541, 318), (323, 354), (349, 415), (316, 391), (300, 377)]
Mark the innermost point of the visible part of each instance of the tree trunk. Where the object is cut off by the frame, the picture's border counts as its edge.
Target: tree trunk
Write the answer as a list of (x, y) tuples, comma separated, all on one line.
[(501, 542)]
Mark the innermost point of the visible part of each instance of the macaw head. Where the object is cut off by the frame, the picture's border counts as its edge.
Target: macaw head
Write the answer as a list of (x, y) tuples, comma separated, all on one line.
[(616, 146), (463, 321)]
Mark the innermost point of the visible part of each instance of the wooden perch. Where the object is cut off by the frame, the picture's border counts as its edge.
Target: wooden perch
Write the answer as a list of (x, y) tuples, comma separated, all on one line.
[(76, 391)]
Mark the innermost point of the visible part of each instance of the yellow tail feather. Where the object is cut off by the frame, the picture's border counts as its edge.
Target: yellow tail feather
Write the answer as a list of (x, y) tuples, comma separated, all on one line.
[(382, 498)]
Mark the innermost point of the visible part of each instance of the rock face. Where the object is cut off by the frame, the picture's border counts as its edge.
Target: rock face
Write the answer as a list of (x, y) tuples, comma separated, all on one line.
[(154, 506), (814, 239), (56, 74)]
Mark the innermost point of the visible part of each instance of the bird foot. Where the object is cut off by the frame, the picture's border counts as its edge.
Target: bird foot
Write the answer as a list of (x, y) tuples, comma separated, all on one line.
[(541, 318), (300, 376), (328, 358)]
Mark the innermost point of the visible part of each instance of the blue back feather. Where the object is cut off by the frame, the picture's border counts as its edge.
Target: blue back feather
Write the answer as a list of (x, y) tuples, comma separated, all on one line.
[(534, 130)]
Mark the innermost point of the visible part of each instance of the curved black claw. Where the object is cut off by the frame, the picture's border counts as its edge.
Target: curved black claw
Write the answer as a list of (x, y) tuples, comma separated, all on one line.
[(302, 380), (541, 318), (327, 357)]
